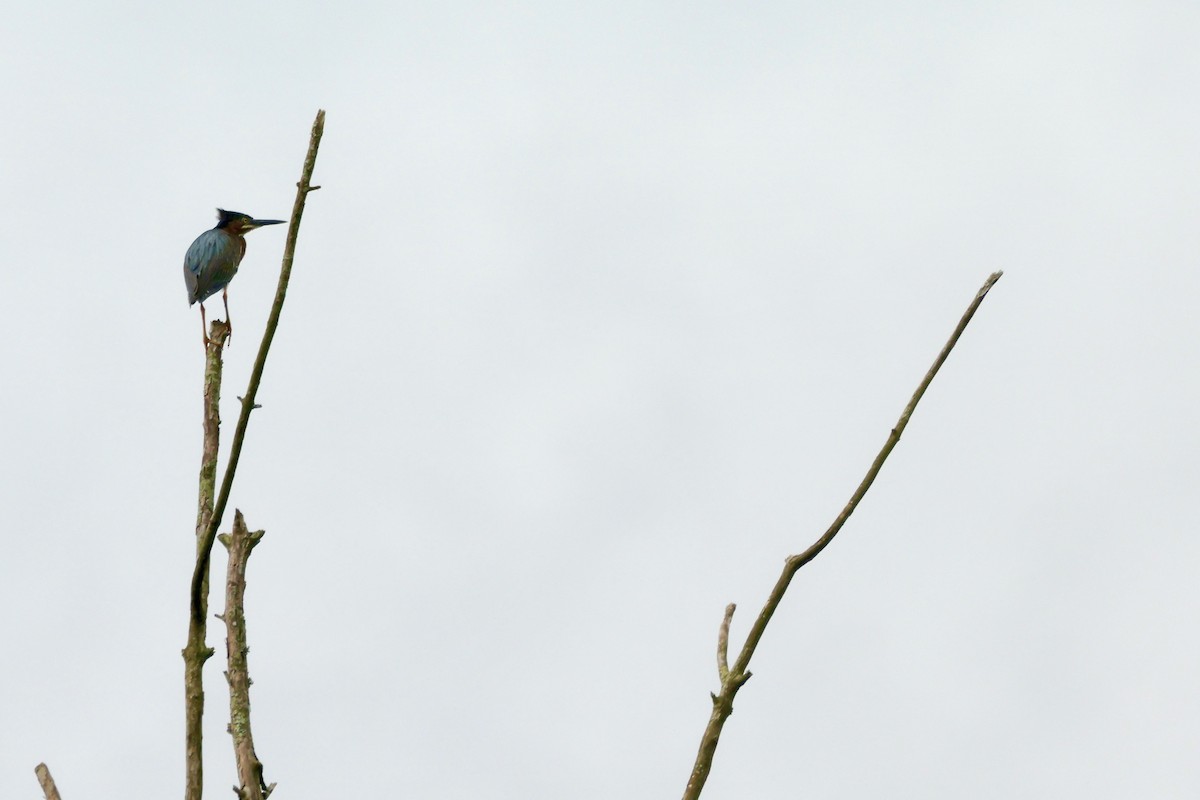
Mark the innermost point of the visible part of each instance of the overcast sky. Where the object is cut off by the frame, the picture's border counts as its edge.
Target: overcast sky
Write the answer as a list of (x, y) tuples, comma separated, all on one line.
[(604, 309)]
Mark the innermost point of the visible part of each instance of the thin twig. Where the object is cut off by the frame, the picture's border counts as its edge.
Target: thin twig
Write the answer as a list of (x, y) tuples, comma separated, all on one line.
[(250, 769), (303, 187), (47, 782), (723, 642), (737, 676)]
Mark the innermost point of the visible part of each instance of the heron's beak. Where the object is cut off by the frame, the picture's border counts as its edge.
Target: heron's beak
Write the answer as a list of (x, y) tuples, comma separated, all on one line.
[(258, 223)]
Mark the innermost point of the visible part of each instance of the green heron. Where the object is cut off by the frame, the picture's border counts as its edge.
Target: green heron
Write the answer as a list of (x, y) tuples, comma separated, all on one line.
[(212, 260)]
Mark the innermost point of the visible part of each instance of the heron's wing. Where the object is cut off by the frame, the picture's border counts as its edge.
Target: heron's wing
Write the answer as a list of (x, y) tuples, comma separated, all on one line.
[(210, 263)]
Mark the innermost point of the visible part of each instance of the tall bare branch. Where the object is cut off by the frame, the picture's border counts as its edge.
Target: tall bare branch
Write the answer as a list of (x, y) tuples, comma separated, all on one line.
[(196, 652), (303, 187), (211, 510), (733, 678)]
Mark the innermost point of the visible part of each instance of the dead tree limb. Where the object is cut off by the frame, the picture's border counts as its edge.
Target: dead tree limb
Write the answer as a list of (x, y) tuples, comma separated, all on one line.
[(303, 187), (211, 510), (733, 678), (250, 770), (196, 652), (44, 778)]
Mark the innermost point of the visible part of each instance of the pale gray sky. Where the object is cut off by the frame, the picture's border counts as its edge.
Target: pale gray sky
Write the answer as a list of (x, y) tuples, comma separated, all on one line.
[(602, 311)]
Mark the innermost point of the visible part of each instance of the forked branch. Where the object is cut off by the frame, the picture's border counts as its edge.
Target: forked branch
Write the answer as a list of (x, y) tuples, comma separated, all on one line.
[(732, 678), (303, 187), (212, 509)]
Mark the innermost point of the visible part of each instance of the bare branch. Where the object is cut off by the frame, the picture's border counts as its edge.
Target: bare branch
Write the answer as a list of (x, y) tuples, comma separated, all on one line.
[(250, 769), (239, 434), (723, 642), (738, 675), (196, 651), (47, 782)]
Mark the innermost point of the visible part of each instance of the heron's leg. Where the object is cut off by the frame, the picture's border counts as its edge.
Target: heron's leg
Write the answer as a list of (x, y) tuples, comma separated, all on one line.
[(203, 324), (228, 321)]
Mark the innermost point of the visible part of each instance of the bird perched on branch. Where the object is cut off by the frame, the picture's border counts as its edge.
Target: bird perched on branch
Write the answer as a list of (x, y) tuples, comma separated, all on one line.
[(212, 260)]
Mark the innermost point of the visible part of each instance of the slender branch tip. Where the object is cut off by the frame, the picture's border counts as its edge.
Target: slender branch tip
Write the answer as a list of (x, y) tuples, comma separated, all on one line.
[(733, 678)]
